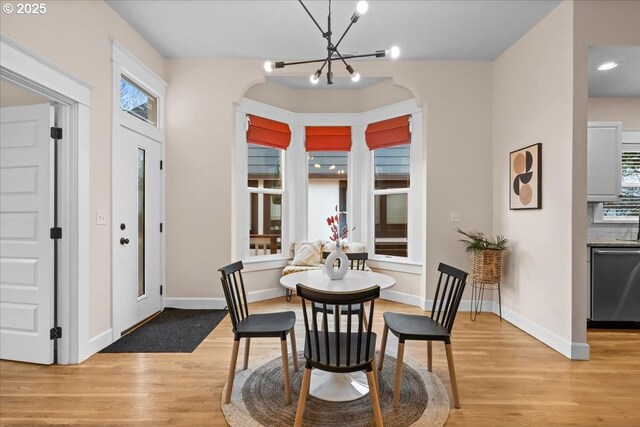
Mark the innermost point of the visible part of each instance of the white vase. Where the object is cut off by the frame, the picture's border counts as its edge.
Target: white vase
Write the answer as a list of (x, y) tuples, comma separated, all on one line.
[(340, 272)]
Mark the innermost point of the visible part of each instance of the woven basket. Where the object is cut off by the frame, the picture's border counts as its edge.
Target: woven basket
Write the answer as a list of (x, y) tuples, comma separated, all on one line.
[(487, 266)]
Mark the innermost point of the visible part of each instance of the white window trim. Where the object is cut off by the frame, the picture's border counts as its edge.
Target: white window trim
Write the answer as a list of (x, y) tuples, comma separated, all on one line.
[(630, 142), (359, 204)]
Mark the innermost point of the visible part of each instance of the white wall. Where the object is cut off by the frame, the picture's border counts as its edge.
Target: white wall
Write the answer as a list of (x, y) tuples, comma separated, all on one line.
[(455, 97), (75, 35), (617, 109), (324, 195), (532, 102)]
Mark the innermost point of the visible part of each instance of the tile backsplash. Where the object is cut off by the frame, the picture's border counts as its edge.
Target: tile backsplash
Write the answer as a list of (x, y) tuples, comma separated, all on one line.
[(599, 230)]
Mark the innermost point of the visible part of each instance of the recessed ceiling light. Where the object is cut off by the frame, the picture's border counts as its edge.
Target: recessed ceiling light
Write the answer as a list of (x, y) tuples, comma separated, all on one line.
[(607, 66)]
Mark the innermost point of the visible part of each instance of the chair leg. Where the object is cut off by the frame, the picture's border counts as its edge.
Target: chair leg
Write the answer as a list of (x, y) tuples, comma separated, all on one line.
[(247, 343), (499, 302), (375, 401), (285, 369), (429, 357), (232, 370), (452, 375), (375, 375), (304, 392), (294, 349), (383, 345), (396, 387)]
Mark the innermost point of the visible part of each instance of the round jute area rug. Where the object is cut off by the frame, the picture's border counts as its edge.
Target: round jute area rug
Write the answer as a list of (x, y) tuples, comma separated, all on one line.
[(258, 399)]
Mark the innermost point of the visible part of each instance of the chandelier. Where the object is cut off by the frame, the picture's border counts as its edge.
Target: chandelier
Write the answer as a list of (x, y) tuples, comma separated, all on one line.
[(332, 49)]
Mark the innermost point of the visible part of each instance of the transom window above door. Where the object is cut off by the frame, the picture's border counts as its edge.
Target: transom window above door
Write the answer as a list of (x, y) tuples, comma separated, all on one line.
[(137, 101)]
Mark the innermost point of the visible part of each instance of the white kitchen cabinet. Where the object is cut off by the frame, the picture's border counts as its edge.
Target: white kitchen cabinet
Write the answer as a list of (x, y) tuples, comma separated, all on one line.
[(604, 143)]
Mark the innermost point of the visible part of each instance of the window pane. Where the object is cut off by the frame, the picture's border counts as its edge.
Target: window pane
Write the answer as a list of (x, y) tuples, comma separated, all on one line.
[(265, 224), (141, 222), (629, 204), (327, 189), (631, 167), (391, 218), (137, 101), (264, 166), (391, 167)]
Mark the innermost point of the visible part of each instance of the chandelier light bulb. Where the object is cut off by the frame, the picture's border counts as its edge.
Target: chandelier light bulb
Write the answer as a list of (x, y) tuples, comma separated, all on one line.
[(394, 52), (268, 66), (362, 7), (315, 78), (355, 77)]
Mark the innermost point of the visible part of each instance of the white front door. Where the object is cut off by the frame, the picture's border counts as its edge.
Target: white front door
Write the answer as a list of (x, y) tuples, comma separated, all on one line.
[(137, 252), (26, 218)]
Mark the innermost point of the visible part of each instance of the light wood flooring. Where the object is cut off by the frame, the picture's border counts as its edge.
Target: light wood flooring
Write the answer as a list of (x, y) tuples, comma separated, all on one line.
[(505, 378)]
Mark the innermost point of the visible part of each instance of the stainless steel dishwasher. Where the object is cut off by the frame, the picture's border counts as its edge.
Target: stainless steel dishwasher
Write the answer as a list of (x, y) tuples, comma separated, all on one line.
[(615, 284)]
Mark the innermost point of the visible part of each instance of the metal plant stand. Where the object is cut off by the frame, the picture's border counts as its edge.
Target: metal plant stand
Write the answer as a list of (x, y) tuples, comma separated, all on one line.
[(477, 297)]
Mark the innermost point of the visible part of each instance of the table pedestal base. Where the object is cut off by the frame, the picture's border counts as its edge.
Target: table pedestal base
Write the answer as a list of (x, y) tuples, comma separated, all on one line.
[(336, 387)]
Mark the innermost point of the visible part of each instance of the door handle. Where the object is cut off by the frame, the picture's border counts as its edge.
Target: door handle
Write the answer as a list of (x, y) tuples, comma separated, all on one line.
[(124, 241)]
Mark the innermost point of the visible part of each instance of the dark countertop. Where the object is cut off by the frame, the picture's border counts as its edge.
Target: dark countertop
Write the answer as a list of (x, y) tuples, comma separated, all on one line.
[(613, 243)]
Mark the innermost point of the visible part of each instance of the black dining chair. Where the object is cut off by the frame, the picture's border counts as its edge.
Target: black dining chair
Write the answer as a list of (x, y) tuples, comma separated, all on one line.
[(249, 326), (335, 350), (357, 261), (437, 327)]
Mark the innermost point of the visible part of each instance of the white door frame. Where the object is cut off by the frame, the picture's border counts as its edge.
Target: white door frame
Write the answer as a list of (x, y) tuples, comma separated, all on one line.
[(29, 70), (126, 63)]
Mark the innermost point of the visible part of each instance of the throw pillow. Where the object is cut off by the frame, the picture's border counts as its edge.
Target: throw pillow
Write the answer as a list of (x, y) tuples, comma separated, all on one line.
[(307, 253)]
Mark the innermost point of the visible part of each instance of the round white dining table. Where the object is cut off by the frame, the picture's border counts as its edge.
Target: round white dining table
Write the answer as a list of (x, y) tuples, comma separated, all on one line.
[(336, 387)]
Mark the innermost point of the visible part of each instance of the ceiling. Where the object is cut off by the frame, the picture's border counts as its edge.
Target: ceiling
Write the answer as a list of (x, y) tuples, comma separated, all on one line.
[(424, 30), (281, 30), (624, 80)]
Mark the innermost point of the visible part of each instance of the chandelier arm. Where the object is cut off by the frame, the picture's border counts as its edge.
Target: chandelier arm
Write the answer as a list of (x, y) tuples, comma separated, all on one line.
[(341, 57), (377, 54), (312, 18), (343, 34)]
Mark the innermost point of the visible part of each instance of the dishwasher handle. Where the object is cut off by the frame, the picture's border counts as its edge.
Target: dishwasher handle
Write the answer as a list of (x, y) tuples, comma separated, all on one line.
[(623, 252)]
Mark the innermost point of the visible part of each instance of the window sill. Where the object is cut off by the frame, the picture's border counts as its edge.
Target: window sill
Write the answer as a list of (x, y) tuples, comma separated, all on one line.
[(395, 264), (266, 262)]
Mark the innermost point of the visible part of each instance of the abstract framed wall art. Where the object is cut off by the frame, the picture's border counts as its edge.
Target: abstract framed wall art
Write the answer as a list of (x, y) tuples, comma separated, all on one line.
[(525, 178)]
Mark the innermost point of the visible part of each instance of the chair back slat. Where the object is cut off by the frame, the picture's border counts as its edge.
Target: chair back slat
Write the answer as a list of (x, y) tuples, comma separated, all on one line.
[(357, 260), (451, 284), (335, 353), (234, 292)]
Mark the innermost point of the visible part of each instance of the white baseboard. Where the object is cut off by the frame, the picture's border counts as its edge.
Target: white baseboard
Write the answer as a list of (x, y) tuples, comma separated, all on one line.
[(571, 350), (195, 303), (220, 303), (403, 298), (99, 342)]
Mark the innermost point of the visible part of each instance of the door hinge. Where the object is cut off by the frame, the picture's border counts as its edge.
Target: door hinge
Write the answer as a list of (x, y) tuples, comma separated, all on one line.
[(161, 289), (160, 164), (56, 233), (161, 227), (56, 133), (55, 333)]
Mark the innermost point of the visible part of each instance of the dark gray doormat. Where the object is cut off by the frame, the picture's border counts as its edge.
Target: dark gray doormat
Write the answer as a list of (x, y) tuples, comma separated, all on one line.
[(172, 331)]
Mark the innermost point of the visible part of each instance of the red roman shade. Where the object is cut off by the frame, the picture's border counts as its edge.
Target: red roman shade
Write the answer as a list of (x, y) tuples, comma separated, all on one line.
[(388, 133), (268, 132), (328, 138)]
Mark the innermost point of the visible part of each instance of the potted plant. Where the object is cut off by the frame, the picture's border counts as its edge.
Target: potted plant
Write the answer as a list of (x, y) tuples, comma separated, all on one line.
[(487, 255)]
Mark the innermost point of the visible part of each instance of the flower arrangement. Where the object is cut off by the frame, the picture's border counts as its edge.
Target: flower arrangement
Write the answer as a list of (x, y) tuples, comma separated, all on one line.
[(333, 221)]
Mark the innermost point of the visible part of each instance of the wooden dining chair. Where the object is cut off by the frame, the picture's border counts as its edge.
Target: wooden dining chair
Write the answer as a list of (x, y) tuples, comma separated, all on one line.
[(336, 350), (245, 325), (357, 261), (437, 327)]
